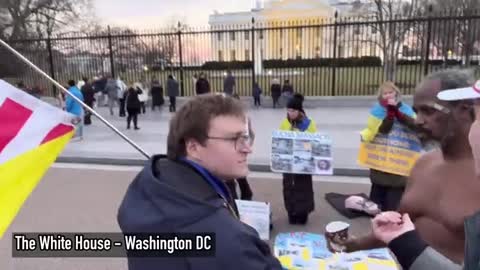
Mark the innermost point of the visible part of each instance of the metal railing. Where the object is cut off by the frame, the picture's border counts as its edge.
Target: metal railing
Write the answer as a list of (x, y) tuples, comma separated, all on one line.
[(338, 56)]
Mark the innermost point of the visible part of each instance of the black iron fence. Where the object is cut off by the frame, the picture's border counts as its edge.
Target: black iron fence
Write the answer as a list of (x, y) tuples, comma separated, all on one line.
[(335, 56)]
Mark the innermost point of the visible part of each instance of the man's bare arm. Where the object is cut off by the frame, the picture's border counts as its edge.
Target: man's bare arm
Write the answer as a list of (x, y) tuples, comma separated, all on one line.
[(406, 206), (366, 242)]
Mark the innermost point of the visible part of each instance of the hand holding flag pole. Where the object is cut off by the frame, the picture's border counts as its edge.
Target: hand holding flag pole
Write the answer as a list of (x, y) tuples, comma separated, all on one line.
[(123, 136)]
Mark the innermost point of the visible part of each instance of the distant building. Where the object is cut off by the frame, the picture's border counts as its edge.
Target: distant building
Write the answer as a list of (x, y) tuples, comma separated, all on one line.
[(291, 43), (297, 43), (353, 7)]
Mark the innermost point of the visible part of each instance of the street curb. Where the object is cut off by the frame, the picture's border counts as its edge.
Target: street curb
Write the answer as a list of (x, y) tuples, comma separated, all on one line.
[(351, 172), (309, 102)]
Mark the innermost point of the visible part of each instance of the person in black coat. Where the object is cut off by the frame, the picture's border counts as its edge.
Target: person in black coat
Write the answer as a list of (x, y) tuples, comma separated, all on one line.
[(202, 85), (287, 88), (276, 91), (298, 192), (89, 98), (133, 106), (157, 94), (172, 92)]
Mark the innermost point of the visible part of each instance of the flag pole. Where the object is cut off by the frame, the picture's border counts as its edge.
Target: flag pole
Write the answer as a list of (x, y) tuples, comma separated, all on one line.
[(123, 136)]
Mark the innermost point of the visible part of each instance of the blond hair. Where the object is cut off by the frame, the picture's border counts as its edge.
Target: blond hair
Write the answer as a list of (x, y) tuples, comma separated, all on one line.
[(389, 85)]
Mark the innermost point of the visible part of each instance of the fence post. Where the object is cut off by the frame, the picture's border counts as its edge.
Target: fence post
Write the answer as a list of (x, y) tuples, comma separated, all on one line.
[(253, 52), (467, 46), (429, 37), (50, 60), (180, 54), (334, 62), (110, 47)]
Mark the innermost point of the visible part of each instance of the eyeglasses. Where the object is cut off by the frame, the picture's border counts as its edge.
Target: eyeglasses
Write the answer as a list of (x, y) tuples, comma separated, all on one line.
[(240, 142)]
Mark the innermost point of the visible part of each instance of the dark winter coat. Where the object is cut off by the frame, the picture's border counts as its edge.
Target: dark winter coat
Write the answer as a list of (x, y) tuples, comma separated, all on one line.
[(157, 95), (202, 86), (228, 85), (172, 88), (88, 94), (276, 90), (298, 188), (257, 91), (132, 102), (298, 193), (173, 197), (287, 89), (99, 85)]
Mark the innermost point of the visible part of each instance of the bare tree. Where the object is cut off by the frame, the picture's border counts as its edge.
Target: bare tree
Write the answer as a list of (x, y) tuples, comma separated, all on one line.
[(389, 28), (24, 18), (392, 34), (125, 46), (20, 19), (458, 29), (162, 50)]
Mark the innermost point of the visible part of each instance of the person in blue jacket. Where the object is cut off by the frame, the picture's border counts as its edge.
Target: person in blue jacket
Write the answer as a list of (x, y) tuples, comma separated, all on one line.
[(185, 192), (387, 188), (75, 108)]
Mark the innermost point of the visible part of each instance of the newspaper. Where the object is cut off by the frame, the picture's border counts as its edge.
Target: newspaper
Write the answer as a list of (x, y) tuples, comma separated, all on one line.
[(256, 215)]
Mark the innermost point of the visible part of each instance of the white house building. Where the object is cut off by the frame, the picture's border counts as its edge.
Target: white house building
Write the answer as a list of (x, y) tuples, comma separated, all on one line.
[(281, 40), (272, 43)]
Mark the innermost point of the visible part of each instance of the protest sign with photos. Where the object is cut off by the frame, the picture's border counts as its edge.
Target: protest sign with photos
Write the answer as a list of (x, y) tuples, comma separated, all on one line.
[(301, 153)]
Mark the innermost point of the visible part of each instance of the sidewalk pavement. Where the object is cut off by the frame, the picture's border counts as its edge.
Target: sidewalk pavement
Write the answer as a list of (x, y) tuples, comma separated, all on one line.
[(341, 117)]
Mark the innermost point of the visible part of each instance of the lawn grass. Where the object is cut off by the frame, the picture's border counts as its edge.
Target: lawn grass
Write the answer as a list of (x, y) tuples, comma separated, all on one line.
[(317, 81)]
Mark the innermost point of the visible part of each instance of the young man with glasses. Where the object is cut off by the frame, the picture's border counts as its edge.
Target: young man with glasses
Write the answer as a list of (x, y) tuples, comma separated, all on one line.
[(442, 189), (208, 142)]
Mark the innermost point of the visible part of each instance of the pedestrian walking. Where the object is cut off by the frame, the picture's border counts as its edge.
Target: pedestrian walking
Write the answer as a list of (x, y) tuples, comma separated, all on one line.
[(89, 99), (173, 92), (157, 94), (256, 93), (133, 105)]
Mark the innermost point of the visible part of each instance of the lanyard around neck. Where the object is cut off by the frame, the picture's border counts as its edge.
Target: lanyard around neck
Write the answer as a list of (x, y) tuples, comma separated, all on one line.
[(215, 183)]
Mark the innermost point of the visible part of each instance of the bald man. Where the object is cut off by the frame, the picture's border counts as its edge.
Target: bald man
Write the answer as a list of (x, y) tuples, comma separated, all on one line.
[(442, 189)]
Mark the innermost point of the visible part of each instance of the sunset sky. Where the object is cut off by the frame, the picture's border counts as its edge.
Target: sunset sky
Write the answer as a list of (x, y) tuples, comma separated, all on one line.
[(155, 13)]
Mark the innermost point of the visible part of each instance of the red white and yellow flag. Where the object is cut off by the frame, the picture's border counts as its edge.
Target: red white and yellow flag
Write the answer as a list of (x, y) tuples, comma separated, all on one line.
[(32, 134)]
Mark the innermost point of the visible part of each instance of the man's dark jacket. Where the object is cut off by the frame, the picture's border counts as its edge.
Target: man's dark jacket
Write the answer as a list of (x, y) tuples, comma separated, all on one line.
[(171, 196)]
